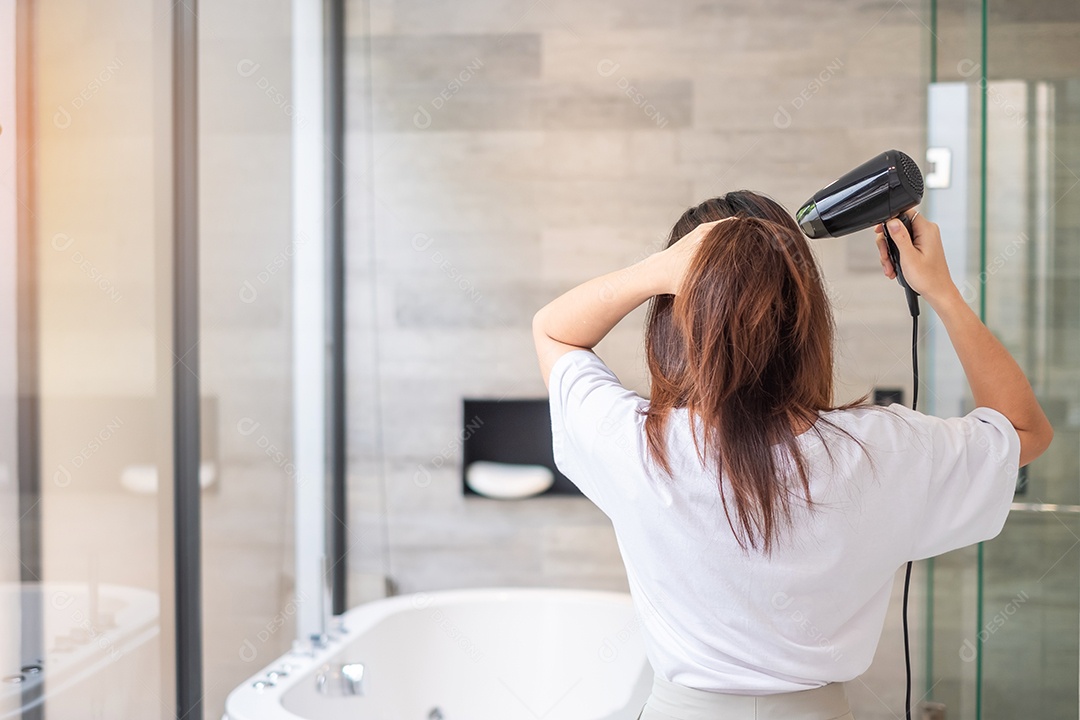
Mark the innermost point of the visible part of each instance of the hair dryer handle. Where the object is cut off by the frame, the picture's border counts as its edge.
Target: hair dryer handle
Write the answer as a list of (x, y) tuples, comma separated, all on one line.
[(894, 256)]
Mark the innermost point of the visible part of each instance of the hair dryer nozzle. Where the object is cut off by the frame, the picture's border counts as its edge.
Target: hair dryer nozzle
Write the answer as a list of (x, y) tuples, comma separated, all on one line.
[(810, 221)]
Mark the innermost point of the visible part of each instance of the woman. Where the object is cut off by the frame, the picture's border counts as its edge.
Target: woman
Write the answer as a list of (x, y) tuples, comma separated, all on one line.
[(760, 524)]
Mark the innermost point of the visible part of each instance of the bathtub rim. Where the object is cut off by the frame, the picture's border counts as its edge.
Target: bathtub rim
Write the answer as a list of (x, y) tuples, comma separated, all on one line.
[(244, 702)]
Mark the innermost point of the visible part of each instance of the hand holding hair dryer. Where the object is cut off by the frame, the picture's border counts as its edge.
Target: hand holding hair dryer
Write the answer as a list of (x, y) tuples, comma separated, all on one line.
[(883, 187)]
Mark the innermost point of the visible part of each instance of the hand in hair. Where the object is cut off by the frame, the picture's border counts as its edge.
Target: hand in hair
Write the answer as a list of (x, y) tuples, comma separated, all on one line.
[(674, 260), (581, 317)]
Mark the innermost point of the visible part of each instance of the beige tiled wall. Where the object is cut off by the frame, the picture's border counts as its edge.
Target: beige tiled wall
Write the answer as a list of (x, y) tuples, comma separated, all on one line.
[(496, 159)]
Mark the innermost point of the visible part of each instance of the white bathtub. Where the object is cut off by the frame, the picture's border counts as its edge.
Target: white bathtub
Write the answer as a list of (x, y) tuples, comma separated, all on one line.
[(491, 654)]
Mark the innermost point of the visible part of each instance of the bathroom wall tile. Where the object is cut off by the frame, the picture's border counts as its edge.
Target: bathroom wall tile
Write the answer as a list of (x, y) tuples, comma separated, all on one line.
[(447, 297), (363, 17), (459, 260), (247, 295), (637, 203), (397, 58), (366, 496), (775, 101), (427, 486), (861, 253), (831, 256), (246, 20), (250, 83), (513, 552), (621, 58), (894, 40), (865, 358), (497, 304), (605, 583), (426, 432), (457, 155), (587, 550), (572, 255), (487, 104), (258, 198), (654, 154), (579, 154), (503, 16), (479, 104), (539, 513), (436, 568), (419, 205), (905, 137), (470, 358), (645, 104), (369, 302), (788, 164), (629, 15), (847, 23), (230, 358), (623, 351)]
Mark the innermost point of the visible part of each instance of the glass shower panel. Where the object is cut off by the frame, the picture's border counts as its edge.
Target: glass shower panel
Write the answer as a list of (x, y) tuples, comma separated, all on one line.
[(953, 167), (246, 122), (1031, 580), (94, 534), (951, 600), (1005, 618)]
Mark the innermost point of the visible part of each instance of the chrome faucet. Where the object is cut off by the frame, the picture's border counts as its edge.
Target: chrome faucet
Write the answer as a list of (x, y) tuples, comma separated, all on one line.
[(346, 679), (352, 679)]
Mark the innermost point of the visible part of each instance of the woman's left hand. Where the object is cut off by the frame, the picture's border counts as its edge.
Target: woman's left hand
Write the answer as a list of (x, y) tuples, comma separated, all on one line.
[(675, 260)]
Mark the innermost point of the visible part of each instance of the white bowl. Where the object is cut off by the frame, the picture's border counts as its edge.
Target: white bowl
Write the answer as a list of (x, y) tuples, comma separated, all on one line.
[(507, 481)]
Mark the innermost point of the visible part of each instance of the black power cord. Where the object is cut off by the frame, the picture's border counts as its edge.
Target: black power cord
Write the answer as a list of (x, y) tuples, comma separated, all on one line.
[(907, 574)]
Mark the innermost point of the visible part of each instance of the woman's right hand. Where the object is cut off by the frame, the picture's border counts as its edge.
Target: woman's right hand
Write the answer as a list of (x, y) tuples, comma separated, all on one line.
[(923, 260)]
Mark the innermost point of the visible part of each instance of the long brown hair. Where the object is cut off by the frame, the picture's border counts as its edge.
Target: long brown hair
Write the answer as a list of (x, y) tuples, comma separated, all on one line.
[(747, 349)]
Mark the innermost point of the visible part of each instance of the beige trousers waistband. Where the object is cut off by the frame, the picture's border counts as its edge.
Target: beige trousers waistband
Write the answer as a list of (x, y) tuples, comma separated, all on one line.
[(669, 701)]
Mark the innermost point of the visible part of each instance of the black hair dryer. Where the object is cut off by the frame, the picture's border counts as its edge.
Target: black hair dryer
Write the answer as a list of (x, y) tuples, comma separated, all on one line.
[(883, 187)]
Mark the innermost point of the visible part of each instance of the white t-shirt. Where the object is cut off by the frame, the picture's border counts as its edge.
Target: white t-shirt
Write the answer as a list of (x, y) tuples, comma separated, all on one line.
[(716, 618)]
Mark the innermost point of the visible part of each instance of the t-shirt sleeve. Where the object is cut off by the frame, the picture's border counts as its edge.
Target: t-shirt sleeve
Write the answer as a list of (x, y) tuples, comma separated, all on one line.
[(970, 478), (597, 430)]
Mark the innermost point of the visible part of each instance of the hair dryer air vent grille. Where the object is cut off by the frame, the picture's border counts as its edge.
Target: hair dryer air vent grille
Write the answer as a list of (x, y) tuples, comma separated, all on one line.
[(912, 173)]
